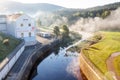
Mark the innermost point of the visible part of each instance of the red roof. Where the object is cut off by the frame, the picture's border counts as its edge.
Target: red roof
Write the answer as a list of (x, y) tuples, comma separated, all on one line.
[(13, 16)]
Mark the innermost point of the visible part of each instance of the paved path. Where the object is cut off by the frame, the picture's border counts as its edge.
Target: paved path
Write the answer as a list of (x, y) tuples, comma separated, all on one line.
[(18, 65), (44, 40), (110, 65)]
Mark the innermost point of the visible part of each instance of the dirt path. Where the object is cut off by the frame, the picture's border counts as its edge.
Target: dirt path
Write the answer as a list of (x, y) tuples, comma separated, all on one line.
[(43, 40), (110, 65)]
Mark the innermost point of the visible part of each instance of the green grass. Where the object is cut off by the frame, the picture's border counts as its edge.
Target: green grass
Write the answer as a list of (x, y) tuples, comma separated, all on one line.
[(7, 49), (99, 52)]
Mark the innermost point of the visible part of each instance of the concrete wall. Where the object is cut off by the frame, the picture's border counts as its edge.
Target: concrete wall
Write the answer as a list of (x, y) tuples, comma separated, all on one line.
[(3, 27), (11, 27), (10, 60), (90, 71)]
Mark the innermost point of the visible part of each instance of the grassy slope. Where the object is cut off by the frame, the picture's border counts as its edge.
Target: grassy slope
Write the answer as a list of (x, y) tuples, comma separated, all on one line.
[(109, 44), (5, 50)]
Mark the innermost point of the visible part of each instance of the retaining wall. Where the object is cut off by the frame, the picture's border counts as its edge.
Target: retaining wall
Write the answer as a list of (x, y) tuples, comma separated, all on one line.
[(10, 60), (90, 71)]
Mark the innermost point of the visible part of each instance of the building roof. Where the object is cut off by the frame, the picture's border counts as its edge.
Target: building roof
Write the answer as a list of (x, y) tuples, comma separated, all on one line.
[(13, 17)]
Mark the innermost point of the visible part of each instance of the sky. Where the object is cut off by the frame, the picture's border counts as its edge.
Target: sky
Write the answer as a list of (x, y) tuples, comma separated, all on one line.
[(71, 3)]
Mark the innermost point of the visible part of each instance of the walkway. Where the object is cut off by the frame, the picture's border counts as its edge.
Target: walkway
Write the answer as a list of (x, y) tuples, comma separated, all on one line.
[(110, 65), (18, 65), (44, 41)]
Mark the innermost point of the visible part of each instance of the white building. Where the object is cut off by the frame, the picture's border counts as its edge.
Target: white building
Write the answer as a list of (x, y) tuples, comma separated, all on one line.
[(3, 23), (20, 26)]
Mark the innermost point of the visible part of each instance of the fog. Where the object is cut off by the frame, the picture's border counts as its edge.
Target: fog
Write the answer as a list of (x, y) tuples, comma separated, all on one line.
[(50, 19), (74, 68), (111, 23)]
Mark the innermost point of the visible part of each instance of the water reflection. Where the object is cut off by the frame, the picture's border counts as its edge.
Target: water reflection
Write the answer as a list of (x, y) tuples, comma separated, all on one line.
[(59, 66)]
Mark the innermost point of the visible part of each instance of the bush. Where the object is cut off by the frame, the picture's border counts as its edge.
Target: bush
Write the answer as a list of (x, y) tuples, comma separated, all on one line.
[(6, 42)]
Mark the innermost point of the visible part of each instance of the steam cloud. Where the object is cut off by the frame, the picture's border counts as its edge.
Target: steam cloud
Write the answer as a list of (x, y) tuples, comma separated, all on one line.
[(50, 19), (111, 23), (74, 68)]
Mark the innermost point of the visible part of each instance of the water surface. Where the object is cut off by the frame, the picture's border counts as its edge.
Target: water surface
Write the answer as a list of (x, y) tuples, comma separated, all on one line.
[(61, 66)]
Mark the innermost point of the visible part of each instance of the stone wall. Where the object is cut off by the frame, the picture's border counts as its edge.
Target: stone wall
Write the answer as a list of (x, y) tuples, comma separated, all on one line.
[(90, 71)]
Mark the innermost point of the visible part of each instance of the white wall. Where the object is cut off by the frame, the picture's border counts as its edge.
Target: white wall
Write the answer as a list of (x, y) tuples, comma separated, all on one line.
[(3, 27), (3, 24), (11, 27), (11, 62), (25, 20)]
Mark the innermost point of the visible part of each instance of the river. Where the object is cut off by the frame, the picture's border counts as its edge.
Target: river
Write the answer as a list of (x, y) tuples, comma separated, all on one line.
[(61, 66)]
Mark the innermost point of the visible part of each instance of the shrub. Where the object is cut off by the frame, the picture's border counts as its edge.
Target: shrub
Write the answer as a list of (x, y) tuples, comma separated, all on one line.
[(6, 42)]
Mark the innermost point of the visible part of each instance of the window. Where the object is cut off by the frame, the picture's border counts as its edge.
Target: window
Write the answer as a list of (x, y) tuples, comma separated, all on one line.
[(21, 25), (22, 35), (29, 24), (25, 19), (29, 34)]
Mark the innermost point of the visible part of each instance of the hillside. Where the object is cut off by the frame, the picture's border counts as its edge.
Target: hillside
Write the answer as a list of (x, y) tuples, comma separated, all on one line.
[(32, 8), (100, 11), (72, 17)]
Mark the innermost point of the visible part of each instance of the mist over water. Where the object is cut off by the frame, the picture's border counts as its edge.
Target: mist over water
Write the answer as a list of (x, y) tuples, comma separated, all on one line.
[(74, 68), (110, 23)]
